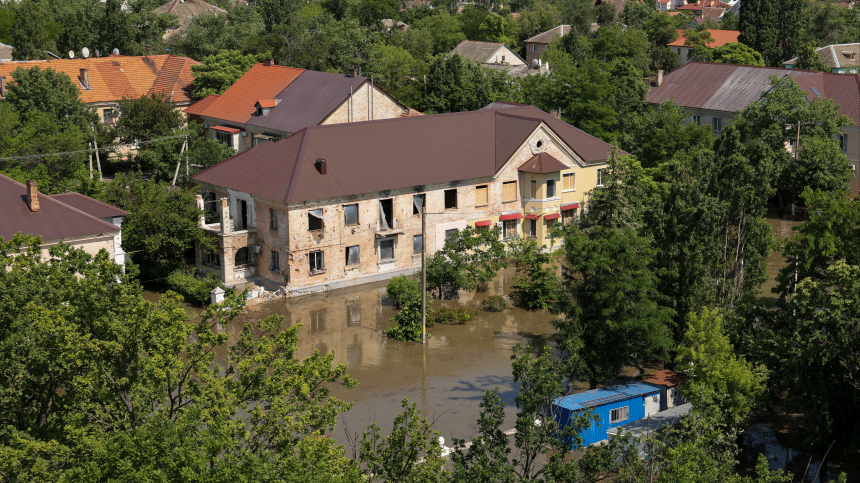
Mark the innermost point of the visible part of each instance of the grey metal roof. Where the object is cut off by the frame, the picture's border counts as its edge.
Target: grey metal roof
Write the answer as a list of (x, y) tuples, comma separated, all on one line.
[(477, 51), (55, 220), (89, 205), (550, 35), (307, 101), (365, 157)]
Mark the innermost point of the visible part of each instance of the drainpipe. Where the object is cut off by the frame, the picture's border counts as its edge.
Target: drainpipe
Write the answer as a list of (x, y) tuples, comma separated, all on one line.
[(350, 105), (371, 97)]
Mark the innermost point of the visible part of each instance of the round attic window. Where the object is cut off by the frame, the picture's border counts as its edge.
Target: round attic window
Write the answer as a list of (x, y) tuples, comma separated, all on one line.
[(539, 144)]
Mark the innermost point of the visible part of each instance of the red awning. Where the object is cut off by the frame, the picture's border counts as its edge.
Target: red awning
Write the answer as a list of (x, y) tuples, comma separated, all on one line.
[(512, 216), (483, 223), (532, 217), (552, 216), (571, 206), (229, 129)]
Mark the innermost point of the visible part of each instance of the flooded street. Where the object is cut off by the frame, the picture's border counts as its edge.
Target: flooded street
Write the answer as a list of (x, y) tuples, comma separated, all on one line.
[(446, 377), (782, 229)]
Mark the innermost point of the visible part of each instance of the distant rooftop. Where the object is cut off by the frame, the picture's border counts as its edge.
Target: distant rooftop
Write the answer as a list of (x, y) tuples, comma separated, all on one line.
[(606, 395)]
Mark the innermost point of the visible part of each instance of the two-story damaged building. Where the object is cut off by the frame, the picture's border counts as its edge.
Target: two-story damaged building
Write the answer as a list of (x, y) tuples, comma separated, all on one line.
[(332, 206)]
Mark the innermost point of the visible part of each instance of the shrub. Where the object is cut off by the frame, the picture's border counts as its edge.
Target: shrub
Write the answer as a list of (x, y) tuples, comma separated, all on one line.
[(455, 316), (193, 289), (402, 290), (494, 303)]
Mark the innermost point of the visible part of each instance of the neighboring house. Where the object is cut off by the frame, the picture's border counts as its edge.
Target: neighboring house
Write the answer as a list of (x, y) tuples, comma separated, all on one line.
[(339, 205), (713, 93), (71, 218), (185, 11), (666, 5), (496, 55), (720, 38), (392, 24), (537, 44), (270, 102), (669, 384), (616, 405), (106, 80), (415, 3), (6, 52), (841, 58)]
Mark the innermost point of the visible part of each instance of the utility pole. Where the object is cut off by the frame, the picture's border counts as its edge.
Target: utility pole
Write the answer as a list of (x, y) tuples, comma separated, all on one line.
[(423, 273), (96, 145), (91, 160)]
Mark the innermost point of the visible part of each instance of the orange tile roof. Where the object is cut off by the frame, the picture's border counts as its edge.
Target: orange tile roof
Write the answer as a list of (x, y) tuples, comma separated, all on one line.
[(200, 106), (237, 104), (264, 103), (708, 3), (720, 38), (115, 77)]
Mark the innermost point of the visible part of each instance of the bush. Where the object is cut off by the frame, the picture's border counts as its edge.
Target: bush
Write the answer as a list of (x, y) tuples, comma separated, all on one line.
[(193, 289), (402, 290), (494, 303), (455, 316)]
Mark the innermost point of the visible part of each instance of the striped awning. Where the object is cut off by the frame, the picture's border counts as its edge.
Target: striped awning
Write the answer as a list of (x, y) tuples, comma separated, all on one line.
[(483, 223), (552, 216), (512, 216), (571, 206), (532, 216)]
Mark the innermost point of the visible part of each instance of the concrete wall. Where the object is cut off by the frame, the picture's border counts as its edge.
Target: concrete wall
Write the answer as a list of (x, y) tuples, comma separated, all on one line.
[(367, 104), (90, 245), (510, 57)]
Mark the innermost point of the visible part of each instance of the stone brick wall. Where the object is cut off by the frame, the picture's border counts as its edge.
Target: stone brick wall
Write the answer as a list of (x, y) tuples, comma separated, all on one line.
[(89, 245), (363, 100), (534, 51)]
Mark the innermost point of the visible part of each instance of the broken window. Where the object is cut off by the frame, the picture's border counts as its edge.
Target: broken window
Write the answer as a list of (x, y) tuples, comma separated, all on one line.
[(417, 244), (417, 204), (244, 257), (352, 255), (212, 259), (273, 219), (274, 266), (315, 220), (386, 249), (315, 261), (353, 313), (451, 199), (481, 195), (350, 214), (386, 214)]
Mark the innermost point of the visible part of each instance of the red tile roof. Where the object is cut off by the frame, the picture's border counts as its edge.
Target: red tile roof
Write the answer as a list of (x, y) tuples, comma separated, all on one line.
[(266, 103), (115, 77), (199, 107), (55, 219), (237, 104), (418, 150), (730, 88), (720, 38)]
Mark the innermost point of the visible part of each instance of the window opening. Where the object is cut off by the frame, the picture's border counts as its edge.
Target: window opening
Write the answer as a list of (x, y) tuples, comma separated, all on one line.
[(386, 214), (568, 217), (352, 255), (315, 220), (316, 261), (696, 120), (509, 229), (417, 244), (108, 116), (275, 265), (244, 257), (224, 138), (212, 259), (386, 249), (450, 233), (350, 214), (243, 220), (481, 195), (550, 188), (451, 199), (273, 219), (718, 124), (599, 177), (417, 204), (619, 414), (550, 227), (533, 228)]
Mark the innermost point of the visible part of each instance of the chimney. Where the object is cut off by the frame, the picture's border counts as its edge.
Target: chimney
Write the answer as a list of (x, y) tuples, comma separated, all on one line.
[(556, 113), (321, 166), (659, 77), (269, 62), (350, 72), (32, 196), (2, 86), (226, 225), (85, 78)]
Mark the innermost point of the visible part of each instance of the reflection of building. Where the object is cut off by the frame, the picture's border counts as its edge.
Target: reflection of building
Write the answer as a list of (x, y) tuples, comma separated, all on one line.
[(70, 218), (713, 93), (332, 206)]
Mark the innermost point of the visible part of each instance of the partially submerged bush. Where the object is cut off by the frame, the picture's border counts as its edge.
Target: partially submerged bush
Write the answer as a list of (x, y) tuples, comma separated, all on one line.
[(453, 316), (402, 289), (193, 289), (494, 303)]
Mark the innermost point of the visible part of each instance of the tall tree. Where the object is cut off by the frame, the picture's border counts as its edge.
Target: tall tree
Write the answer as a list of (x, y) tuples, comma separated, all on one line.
[(147, 117), (219, 72), (30, 32), (772, 27)]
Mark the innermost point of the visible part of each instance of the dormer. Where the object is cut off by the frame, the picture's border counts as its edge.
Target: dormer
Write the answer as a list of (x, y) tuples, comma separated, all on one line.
[(265, 105)]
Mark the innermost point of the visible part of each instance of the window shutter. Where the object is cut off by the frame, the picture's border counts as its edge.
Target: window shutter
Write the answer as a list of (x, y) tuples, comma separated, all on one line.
[(509, 191), (481, 195)]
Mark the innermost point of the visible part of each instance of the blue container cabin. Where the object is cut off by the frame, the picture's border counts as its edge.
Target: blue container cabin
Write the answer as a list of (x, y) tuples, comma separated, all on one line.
[(615, 405)]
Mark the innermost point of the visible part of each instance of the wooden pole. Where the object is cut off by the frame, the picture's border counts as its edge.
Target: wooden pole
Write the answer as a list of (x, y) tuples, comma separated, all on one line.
[(91, 160), (423, 272), (178, 164)]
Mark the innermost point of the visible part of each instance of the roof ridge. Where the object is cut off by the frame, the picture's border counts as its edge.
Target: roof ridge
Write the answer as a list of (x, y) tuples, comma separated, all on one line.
[(75, 193), (299, 155)]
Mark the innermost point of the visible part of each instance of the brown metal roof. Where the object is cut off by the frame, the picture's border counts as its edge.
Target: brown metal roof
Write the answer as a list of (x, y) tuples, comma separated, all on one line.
[(55, 220), (89, 205), (731, 88), (542, 163), (365, 157), (308, 101)]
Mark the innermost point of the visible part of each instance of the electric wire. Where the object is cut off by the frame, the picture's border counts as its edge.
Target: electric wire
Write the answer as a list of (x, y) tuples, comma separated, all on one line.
[(91, 150)]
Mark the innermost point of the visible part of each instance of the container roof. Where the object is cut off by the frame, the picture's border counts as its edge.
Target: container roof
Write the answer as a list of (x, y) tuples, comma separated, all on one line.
[(645, 426), (606, 395)]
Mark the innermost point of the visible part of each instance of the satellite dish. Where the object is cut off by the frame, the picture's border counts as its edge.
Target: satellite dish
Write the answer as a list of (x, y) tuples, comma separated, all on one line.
[(116, 51), (85, 52), (71, 54)]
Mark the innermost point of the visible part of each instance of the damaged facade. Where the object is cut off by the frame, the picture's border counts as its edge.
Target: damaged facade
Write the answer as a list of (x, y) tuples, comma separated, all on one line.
[(332, 206)]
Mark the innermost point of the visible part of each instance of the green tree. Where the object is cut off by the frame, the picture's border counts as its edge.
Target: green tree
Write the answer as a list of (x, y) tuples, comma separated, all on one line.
[(370, 12), (34, 90), (396, 71), (737, 53), (536, 286), (147, 117), (656, 135), (455, 84), (537, 18), (468, 259), (30, 31), (771, 27), (277, 13), (446, 31), (208, 35), (496, 28), (636, 14), (808, 59), (219, 72)]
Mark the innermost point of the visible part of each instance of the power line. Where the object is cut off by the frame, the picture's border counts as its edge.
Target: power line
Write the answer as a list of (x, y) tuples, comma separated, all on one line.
[(90, 150)]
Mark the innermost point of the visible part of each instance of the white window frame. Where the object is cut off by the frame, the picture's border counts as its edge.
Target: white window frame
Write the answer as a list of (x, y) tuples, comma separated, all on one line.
[(534, 47), (600, 177), (573, 176), (697, 120), (717, 124), (317, 267), (514, 233), (618, 415)]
